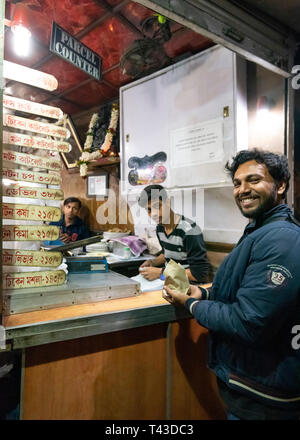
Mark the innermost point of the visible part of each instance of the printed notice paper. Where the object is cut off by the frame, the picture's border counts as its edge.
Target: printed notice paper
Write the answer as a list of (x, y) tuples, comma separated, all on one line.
[(197, 144)]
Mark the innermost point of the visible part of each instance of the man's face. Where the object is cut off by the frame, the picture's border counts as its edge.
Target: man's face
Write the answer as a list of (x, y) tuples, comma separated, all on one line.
[(159, 211), (255, 190), (71, 210)]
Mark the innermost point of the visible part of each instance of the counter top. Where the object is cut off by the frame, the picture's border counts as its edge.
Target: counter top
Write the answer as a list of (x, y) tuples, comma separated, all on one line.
[(81, 320)]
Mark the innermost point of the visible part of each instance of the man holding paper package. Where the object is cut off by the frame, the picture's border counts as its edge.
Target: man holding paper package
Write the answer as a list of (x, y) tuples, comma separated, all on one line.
[(180, 238), (252, 310)]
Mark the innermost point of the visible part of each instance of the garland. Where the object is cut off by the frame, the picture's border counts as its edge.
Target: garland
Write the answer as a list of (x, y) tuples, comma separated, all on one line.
[(87, 155)]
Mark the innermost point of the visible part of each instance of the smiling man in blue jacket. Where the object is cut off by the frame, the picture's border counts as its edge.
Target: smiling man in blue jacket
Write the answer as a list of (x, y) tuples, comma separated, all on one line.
[(252, 309)]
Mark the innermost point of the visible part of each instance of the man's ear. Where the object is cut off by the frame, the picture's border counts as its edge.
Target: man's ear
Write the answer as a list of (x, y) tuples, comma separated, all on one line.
[(281, 187)]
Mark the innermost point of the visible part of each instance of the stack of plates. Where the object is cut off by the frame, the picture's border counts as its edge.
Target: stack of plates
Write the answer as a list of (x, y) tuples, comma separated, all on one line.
[(109, 235), (97, 248)]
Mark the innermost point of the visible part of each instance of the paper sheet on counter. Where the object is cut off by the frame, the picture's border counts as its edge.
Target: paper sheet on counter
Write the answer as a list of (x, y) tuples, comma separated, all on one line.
[(148, 286)]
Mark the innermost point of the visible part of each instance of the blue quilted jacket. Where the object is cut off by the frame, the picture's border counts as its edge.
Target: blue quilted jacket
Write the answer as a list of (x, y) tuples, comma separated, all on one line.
[(253, 310)]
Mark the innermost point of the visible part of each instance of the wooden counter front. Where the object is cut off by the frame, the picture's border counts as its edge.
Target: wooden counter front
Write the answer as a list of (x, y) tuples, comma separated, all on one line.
[(119, 367)]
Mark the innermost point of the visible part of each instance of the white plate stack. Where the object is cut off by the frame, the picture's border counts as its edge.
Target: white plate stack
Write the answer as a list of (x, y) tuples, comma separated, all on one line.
[(100, 247), (110, 235)]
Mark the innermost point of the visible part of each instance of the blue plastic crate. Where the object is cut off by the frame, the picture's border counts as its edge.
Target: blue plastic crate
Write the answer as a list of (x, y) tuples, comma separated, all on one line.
[(86, 264)]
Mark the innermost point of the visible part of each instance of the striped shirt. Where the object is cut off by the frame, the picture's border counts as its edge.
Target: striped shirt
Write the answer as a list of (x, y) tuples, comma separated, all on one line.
[(185, 245)]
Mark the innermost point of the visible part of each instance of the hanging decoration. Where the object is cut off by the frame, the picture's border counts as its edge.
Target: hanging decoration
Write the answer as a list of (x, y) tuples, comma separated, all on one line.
[(88, 154)]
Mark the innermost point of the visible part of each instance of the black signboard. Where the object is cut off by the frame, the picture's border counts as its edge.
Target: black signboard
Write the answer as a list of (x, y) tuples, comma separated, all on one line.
[(67, 47)]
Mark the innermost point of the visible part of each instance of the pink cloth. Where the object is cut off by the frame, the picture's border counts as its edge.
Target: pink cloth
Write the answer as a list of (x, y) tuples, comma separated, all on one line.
[(136, 245)]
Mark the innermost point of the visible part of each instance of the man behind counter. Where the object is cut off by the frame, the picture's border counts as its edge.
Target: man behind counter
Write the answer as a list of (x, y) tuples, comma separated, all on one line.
[(71, 226), (180, 238)]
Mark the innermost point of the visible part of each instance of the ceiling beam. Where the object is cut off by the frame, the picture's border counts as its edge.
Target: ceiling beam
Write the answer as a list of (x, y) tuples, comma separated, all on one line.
[(225, 23), (87, 81), (86, 30), (109, 13), (82, 83), (115, 12)]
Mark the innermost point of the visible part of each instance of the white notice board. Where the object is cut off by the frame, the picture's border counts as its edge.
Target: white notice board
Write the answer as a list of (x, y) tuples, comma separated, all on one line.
[(172, 122)]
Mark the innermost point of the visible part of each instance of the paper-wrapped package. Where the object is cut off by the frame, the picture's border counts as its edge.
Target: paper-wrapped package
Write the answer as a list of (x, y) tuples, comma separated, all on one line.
[(176, 277)]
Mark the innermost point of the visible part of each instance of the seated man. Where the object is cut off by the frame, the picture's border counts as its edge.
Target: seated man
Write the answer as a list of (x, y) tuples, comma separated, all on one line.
[(180, 238), (71, 226)]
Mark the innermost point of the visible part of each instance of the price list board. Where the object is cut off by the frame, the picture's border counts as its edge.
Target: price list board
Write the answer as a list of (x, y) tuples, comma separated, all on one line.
[(27, 176)]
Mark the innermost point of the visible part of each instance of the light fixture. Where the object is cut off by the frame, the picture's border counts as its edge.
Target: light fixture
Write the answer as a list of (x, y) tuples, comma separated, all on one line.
[(263, 106), (20, 29), (266, 116)]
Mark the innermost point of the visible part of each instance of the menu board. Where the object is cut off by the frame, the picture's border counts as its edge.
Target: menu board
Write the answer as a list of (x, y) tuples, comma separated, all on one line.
[(26, 177)]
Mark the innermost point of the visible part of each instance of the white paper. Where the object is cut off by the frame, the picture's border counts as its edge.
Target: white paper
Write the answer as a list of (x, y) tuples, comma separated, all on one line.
[(97, 185), (197, 144), (148, 286)]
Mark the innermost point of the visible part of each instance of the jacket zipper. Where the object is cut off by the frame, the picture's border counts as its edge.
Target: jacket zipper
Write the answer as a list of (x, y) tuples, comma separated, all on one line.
[(259, 393)]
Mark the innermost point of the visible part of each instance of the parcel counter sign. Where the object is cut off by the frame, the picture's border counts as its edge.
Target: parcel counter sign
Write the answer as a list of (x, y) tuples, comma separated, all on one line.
[(72, 50)]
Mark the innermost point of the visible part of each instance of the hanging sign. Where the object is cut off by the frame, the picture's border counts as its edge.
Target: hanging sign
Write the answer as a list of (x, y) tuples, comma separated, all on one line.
[(30, 176), (30, 212), (25, 140), (32, 192), (25, 75), (35, 108), (31, 161), (29, 233), (75, 52), (14, 257), (21, 280), (35, 126)]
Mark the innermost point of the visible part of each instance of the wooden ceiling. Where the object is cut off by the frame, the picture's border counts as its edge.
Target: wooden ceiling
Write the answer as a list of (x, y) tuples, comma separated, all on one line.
[(108, 27)]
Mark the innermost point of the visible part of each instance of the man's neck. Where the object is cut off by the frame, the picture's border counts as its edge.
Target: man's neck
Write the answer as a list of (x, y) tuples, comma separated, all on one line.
[(69, 222), (174, 220)]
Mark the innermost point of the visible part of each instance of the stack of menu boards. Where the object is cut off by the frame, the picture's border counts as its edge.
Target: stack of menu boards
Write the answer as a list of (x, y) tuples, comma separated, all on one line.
[(31, 179)]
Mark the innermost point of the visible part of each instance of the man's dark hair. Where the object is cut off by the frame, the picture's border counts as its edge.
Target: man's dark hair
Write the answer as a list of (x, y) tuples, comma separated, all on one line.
[(72, 200), (150, 193), (276, 164)]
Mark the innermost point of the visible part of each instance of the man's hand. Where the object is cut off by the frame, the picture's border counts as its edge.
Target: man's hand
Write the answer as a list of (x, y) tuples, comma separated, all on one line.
[(173, 297), (179, 299), (146, 263), (150, 273), (195, 292), (65, 238)]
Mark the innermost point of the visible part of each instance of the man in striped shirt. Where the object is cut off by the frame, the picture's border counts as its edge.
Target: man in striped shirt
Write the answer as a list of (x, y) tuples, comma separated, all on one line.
[(180, 238)]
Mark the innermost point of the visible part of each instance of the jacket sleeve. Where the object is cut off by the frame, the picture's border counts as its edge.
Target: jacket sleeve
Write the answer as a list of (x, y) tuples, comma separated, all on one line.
[(268, 292), (84, 232)]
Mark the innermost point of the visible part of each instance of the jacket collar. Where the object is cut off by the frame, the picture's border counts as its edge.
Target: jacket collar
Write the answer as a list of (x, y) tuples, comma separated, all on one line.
[(281, 210), (77, 221)]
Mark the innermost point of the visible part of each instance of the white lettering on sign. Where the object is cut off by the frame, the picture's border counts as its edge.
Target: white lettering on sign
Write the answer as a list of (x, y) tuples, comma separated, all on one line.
[(75, 52)]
